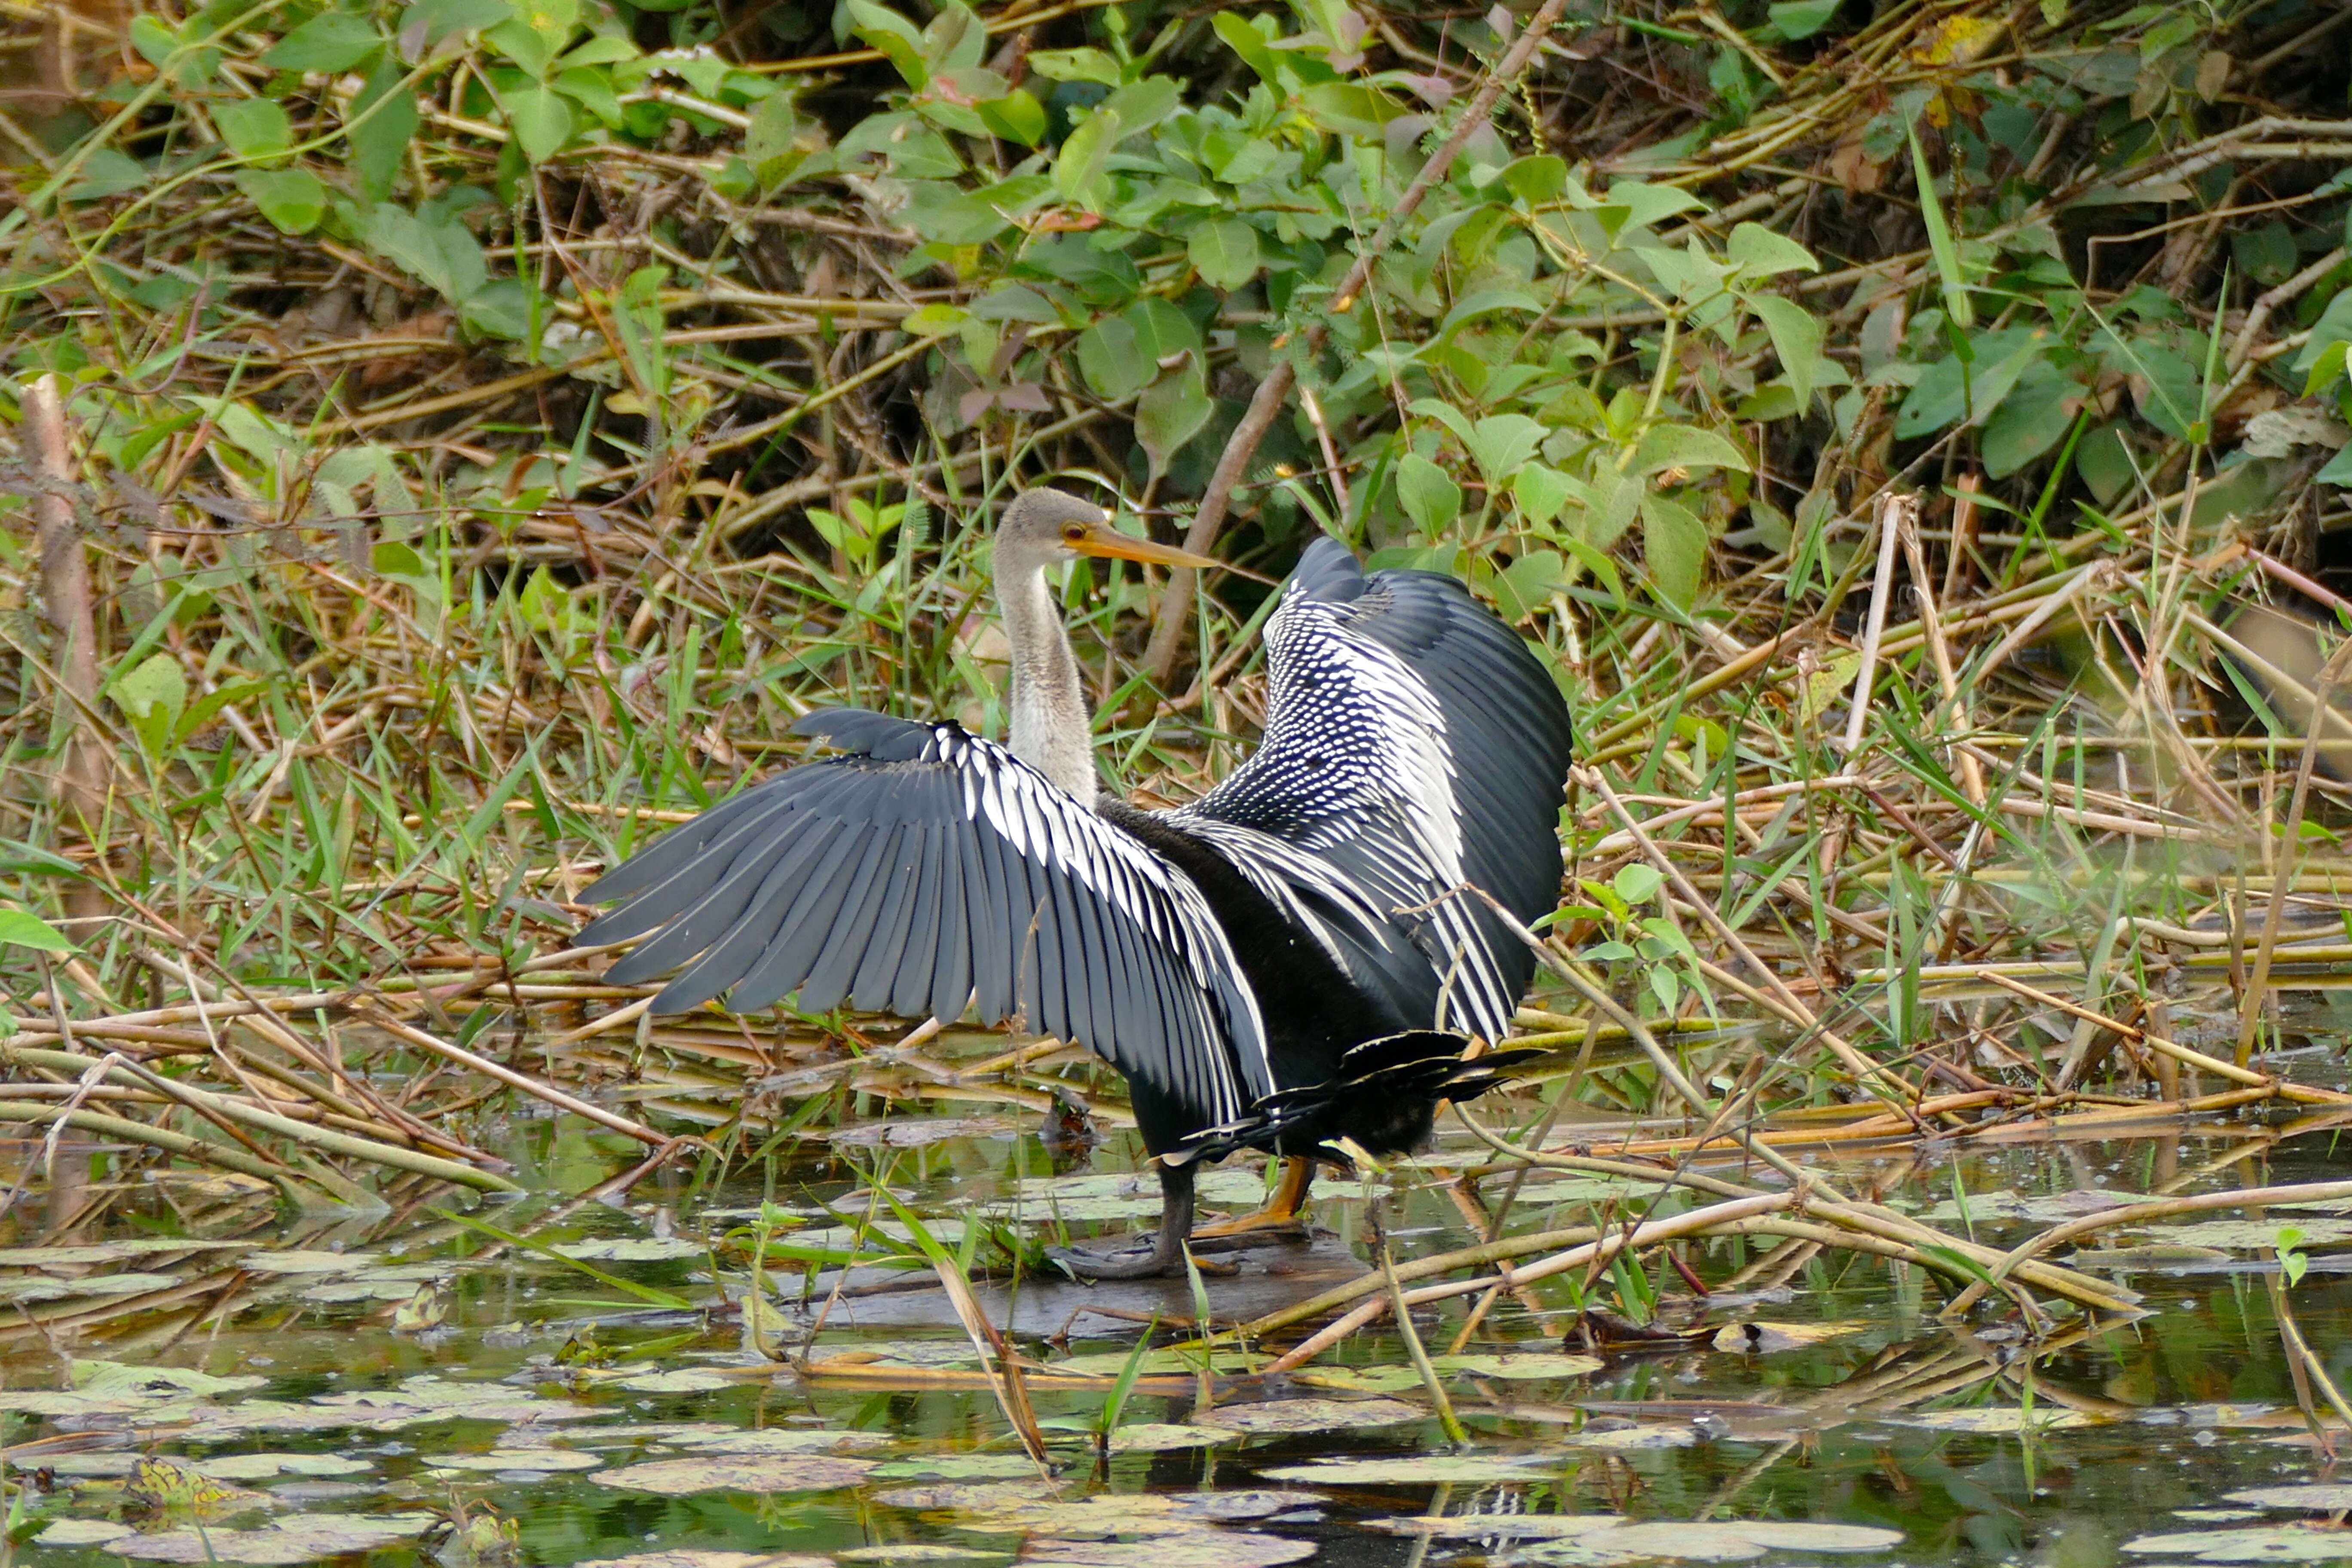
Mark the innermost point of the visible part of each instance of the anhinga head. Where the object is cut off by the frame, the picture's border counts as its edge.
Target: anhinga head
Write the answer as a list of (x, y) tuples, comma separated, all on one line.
[(1045, 526)]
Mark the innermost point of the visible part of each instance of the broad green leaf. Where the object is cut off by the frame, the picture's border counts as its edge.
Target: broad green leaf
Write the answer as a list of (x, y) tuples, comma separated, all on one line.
[(1537, 179), (292, 199), (1016, 117), (254, 127), (428, 22), (2032, 419), (1802, 19), (106, 172), (18, 929), (2334, 327), (383, 118), (1956, 388), (1636, 883), (335, 41), (1796, 334), (153, 40), (1502, 443), (1224, 253), (1523, 587), (1172, 411), (1674, 543), (2338, 470), (541, 120), (1076, 65), (1078, 169), (1664, 446), (954, 40), (1428, 493), (896, 37), (1540, 491), (152, 696), (1761, 253)]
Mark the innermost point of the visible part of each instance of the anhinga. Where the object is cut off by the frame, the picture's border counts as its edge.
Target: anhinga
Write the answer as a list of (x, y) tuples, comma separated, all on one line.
[(1293, 959)]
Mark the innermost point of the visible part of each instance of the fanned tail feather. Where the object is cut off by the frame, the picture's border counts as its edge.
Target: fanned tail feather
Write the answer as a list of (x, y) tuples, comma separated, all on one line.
[(1418, 1064)]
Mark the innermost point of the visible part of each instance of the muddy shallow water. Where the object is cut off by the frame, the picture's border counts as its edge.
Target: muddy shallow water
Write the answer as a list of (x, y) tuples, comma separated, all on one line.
[(409, 1385)]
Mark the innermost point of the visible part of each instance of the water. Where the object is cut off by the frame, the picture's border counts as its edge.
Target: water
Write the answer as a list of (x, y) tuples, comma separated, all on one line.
[(433, 1376)]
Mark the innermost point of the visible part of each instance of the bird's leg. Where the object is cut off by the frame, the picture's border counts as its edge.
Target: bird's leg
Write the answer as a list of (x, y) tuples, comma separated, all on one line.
[(1281, 1212), (1166, 1254)]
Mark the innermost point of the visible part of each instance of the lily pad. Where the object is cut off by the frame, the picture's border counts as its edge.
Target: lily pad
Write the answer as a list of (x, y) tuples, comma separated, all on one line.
[(1193, 1549), (2001, 1420), (1517, 1366), (1154, 1437), (1034, 1511), (958, 1467), (919, 1552), (547, 1461), (2334, 1499), (1416, 1469), (1501, 1526), (781, 1440), (685, 1380), (28, 1288), (738, 1473), (108, 1252), (703, 1559), (304, 1538), (114, 1377), (1360, 1379), (264, 1467), (632, 1249), (81, 1532), (1315, 1414), (2270, 1543), (1760, 1338), (1121, 1194), (297, 1261), (1632, 1440)]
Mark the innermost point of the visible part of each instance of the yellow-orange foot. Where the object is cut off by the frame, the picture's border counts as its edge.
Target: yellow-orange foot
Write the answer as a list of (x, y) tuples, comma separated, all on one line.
[(1283, 1210)]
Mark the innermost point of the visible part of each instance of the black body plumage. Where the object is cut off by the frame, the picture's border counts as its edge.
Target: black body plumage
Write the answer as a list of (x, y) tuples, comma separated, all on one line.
[(1291, 959)]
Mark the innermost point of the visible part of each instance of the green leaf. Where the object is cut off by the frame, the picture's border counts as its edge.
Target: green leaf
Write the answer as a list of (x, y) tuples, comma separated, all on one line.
[(1967, 386), (1664, 446), (18, 929), (332, 41), (1761, 253), (153, 40), (428, 22), (2333, 328), (1015, 117), (1172, 411), (1674, 543), (1540, 491), (152, 696), (2338, 470), (291, 199), (1636, 883), (1429, 494), (1796, 20), (254, 127), (1224, 253), (1537, 179), (1078, 169), (106, 172), (1076, 65), (2030, 420), (1796, 334), (896, 37), (383, 121), (1957, 304), (542, 121)]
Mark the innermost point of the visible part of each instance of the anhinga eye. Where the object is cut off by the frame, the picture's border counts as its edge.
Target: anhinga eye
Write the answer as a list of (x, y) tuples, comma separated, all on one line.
[(1076, 533)]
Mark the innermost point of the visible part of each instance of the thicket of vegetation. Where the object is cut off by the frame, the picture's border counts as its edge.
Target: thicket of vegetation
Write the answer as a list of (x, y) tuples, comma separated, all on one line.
[(489, 422)]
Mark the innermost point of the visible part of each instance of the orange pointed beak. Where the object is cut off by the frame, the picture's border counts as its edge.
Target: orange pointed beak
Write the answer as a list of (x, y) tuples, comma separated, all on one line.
[(1102, 539)]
